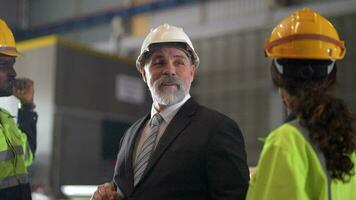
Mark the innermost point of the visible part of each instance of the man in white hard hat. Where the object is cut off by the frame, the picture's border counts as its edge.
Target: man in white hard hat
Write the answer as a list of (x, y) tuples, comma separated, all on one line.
[(180, 150)]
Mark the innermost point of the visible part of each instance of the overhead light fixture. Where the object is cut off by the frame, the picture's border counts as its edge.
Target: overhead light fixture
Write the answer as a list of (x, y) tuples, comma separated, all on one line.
[(78, 190)]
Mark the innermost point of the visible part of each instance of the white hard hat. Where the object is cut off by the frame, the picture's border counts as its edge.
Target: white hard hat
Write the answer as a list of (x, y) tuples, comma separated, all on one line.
[(167, 35)]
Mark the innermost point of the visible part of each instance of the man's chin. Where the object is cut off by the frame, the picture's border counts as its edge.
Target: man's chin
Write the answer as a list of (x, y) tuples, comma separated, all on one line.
[(170, 89), (167, 103), (168, 100)]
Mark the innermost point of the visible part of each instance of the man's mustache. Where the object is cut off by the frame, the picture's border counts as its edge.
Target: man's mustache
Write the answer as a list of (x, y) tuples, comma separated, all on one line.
[(169, 80)]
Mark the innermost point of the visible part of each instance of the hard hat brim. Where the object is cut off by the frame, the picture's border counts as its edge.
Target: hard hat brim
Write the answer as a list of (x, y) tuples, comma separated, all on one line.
[(179, 45), (10, 51)]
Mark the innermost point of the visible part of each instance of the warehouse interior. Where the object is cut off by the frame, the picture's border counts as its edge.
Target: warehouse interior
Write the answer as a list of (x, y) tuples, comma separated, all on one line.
[(81, 55)]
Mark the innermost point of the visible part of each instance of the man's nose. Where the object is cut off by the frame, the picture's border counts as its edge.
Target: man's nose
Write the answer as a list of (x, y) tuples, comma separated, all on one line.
[(169, 69), (12, 72)]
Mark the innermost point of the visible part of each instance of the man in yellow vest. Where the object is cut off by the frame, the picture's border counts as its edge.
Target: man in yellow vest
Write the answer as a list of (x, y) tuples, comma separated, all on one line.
[(17, 142)]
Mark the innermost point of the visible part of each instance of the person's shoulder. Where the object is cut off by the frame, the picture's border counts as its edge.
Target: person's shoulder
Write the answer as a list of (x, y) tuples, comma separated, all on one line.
[(139, 121), (4, 111), (213, 114), (286, 135)]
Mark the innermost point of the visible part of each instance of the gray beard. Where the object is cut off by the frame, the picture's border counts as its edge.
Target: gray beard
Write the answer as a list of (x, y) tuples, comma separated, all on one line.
[(167, 98)]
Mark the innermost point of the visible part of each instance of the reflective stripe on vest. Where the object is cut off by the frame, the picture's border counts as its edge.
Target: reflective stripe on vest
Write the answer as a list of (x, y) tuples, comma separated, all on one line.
[(27, 153), (320, 154), (10, 153), (11, 181)]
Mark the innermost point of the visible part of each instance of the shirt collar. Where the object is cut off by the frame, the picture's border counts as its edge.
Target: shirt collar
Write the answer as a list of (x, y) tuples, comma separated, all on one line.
[(168, 113)]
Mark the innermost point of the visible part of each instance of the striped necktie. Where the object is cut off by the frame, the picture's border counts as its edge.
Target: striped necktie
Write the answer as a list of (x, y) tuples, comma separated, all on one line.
[(147, 148)]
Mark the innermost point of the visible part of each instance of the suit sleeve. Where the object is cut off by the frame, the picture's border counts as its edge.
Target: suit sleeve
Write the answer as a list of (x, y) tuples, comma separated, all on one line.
[(227, 168), (27, 122)]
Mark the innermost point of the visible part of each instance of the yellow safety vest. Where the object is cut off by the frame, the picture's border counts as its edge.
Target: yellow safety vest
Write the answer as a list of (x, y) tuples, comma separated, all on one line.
[(290, 168), (15, 152)]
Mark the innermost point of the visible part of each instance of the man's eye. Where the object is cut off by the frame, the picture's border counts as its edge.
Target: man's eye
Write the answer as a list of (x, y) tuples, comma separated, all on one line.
[(180, 62), (5, 64)]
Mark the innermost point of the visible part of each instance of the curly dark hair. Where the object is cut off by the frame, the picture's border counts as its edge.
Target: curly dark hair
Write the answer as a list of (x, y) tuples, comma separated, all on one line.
[(328, 119)]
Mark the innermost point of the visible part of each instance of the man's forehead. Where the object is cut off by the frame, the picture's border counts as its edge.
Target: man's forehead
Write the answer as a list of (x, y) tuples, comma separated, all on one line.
[(169, 50)]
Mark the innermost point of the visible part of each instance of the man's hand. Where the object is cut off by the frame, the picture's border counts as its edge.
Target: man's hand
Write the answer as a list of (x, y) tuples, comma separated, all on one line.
[(105, 192), (23, 89)]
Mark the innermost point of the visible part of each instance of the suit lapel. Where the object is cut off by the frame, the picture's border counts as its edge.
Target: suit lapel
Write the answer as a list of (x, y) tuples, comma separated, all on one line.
[(175, 127), (135, 133)]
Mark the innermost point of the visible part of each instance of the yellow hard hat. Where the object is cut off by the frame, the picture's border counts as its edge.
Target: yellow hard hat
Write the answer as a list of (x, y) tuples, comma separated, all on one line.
[(305, 35), (167, 34), (7, 41)]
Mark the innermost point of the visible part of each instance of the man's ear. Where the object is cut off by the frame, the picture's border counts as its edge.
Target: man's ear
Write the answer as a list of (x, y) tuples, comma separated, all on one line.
[(141, 69), (192, 72)]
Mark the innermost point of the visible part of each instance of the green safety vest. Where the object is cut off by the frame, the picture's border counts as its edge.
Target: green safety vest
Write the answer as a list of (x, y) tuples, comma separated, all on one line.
[(15, 153), (291, 168)]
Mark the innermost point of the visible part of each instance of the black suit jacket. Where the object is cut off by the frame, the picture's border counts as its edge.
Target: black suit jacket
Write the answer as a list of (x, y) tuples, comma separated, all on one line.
[(200, 156)]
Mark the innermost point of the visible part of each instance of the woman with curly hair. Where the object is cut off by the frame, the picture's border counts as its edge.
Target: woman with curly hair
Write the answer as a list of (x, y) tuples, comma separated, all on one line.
[(311, 155)]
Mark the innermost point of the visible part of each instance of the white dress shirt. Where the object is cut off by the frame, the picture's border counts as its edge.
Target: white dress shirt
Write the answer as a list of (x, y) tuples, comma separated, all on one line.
[(167, 114)]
